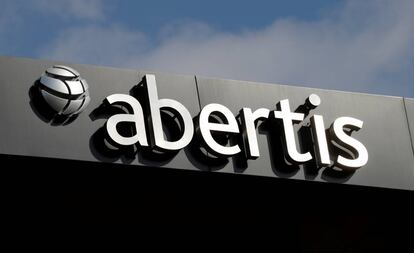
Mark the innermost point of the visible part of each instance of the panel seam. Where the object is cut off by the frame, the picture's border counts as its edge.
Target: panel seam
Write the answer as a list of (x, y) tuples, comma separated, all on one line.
[(408, 124), (199, 105), (198, 93)]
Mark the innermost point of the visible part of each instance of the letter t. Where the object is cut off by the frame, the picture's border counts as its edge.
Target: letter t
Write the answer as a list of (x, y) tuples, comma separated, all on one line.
[(288, 118)]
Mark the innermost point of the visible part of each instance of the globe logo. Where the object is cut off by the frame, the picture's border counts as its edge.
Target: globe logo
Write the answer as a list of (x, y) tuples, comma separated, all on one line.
[(64, 91)]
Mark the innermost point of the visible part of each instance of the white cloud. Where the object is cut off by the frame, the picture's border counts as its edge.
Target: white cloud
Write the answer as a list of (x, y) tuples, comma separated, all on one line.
[(96, 44), (19, 17), (365, 46)]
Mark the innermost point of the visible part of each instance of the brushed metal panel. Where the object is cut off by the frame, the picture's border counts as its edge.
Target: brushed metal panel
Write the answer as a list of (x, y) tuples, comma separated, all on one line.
[(24, 132), (385, 132)]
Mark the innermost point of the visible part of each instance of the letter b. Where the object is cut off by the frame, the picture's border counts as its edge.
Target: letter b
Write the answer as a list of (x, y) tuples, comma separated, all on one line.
[(155, 123)]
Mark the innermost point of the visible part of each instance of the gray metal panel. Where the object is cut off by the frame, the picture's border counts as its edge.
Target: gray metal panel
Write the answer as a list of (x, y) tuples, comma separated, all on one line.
[(409, 106), (23, 132), (385, 131)]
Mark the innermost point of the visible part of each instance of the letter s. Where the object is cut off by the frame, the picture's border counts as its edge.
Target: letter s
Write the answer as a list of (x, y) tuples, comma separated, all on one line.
[(338, 134)]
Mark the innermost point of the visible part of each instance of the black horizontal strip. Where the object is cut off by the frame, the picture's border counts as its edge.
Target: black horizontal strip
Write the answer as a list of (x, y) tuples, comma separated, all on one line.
[(58, 67), (65, 78), (83, 102), (60, 94)]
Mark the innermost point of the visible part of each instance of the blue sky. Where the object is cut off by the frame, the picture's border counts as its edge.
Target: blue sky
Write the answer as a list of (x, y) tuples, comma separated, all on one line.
[(354, 45)]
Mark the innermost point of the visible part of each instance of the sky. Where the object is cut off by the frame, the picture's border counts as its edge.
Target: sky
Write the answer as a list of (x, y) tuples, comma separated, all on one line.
[(351, 45)]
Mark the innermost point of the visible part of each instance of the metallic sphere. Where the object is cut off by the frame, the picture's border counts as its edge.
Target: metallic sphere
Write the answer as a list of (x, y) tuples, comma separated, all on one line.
[(64, 90)]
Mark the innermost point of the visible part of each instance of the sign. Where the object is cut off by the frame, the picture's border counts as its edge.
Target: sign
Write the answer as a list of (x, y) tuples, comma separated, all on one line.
[(195, 123), (230, 125)]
